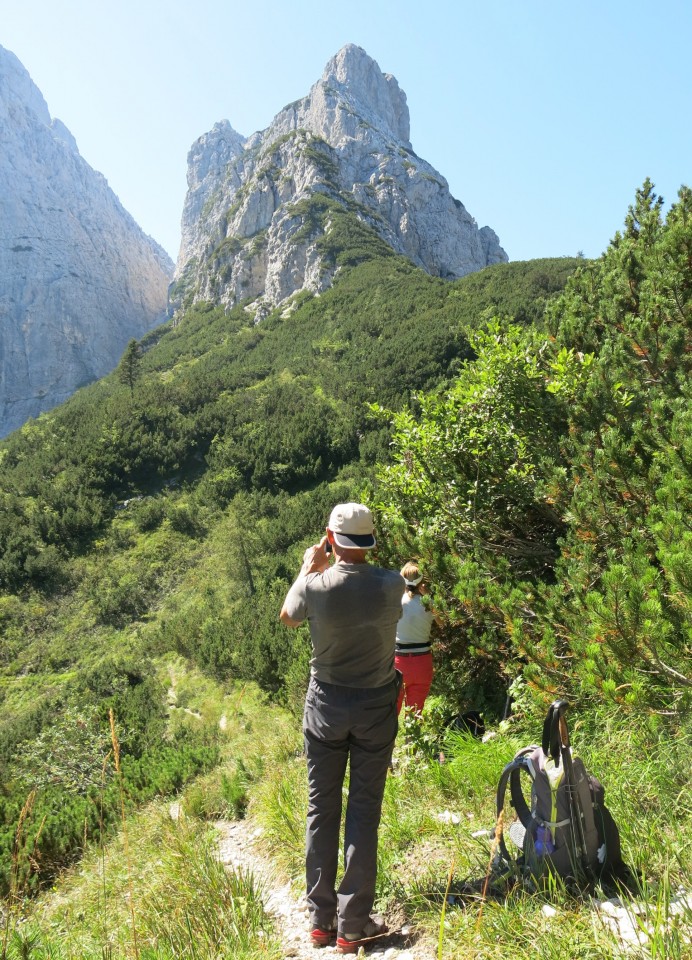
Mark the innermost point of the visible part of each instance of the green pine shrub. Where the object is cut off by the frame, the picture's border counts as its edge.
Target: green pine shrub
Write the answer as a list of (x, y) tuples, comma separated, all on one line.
[(547, 489)]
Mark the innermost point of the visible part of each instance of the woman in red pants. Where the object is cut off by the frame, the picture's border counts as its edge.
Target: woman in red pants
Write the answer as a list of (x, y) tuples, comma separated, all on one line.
[(413, 656)]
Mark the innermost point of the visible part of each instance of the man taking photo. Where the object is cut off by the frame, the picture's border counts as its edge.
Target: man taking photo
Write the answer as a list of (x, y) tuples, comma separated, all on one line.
[(352, 608)]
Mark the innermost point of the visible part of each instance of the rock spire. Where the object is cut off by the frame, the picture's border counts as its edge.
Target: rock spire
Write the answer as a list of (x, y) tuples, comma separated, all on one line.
[(249, 229)]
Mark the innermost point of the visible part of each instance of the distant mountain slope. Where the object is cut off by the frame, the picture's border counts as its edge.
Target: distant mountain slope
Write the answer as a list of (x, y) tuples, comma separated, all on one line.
[(278, 406), (258, 209), (78, 277)]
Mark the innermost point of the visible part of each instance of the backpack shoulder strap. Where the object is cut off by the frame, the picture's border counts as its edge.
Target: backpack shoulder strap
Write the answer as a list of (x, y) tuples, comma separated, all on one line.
[(512, 774)]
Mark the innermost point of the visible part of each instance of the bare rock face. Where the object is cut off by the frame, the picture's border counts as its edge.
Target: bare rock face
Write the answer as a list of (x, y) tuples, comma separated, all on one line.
[(257, 209), (78, 277)]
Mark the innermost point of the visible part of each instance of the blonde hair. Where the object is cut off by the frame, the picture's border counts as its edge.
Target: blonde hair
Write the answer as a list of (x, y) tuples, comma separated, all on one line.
[(411, 572)]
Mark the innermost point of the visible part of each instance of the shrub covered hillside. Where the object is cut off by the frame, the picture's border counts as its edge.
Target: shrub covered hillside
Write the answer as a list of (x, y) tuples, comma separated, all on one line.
[(162, 511)]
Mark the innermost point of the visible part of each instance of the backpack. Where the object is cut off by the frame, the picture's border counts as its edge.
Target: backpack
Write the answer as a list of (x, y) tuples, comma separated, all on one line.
[(568, 829)]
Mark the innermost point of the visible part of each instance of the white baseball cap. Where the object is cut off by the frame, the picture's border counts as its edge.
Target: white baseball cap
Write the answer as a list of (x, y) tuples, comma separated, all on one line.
[(353, 527)]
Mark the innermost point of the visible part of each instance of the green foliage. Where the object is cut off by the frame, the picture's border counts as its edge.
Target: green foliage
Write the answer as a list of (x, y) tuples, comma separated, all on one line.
[(70, 754), (60, 752), (625, 594), (148, 515), (133, 691), (63, 817), (320, 153), (548, 489), (467, 494), (239, 406), (468, 464)]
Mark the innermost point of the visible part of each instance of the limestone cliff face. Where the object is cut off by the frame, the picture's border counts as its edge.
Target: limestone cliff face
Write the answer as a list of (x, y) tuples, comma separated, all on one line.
[(244, 224), (78, 277)]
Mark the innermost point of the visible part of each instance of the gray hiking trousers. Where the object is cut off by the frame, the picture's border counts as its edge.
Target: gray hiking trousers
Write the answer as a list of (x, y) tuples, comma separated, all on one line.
[(343, 724)]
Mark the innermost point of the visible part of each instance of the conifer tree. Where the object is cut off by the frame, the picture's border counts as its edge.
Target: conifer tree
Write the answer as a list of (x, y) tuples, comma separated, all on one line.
[(467, 495), (128, 369), (623, 612)]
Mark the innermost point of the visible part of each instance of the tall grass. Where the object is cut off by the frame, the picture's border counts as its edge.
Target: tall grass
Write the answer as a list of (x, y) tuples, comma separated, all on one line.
[(195, 908), (14, 894), (280, 805), (158, 891), (647, 781), (189, 907), (432, 869), (119, 773)]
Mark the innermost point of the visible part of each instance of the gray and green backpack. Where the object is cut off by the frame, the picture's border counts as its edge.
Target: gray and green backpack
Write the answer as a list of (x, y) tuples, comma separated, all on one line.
[(565, 827)]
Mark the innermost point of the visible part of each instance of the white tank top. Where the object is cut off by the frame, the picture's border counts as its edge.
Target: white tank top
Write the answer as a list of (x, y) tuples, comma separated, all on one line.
[(413, 630)]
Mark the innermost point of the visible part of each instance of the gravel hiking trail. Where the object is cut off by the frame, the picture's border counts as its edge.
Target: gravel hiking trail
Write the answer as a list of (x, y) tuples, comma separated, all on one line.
[(239, 849)]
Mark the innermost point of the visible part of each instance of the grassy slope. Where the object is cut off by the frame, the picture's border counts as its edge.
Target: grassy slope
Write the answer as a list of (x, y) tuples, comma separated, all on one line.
[(427, 853)]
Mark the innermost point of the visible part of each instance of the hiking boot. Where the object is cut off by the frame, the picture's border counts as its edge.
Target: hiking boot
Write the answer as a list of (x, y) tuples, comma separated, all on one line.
[(322, 935), (352, 942)]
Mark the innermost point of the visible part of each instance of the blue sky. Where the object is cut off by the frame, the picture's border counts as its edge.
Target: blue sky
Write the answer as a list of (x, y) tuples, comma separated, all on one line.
[(543, 117)]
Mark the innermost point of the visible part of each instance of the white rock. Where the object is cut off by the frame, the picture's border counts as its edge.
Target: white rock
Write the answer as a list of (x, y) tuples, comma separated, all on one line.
[(611, 909), (448, 817)]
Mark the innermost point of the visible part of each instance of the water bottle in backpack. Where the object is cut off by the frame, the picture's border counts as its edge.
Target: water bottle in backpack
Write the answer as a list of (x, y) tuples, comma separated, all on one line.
[(544, 842)]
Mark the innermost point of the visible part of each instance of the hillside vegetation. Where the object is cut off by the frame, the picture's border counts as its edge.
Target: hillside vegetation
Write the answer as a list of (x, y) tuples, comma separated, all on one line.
[(525, 431)]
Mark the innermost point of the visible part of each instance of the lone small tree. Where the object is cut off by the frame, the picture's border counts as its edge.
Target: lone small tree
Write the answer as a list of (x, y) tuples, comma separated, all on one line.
[(128, 369)]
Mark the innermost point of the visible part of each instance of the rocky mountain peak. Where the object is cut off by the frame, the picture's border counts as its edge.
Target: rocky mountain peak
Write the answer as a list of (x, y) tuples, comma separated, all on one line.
[(256, 208), (374, 95)]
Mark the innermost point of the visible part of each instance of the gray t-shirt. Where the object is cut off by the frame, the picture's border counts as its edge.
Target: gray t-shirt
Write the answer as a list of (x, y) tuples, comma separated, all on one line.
[(352, 610)]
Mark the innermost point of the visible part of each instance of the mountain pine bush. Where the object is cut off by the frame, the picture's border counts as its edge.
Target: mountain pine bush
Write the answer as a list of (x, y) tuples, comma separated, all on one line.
[(548, 490)]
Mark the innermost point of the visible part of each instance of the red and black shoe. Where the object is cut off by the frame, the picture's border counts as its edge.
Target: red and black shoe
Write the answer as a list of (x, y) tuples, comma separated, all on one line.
[(322, 936), (352, 942)]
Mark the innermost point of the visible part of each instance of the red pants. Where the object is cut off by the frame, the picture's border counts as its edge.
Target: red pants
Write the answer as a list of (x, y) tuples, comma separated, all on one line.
[(418, 674)]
